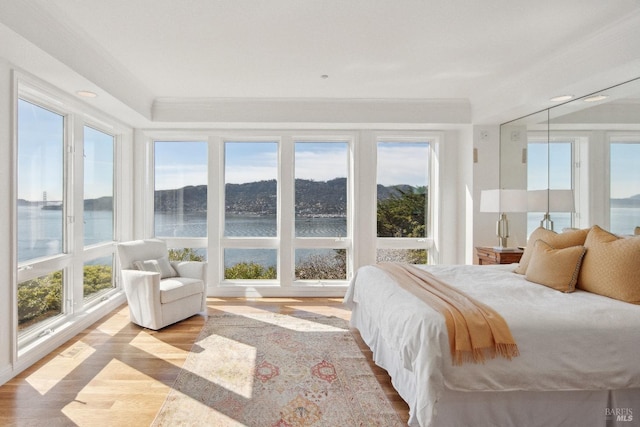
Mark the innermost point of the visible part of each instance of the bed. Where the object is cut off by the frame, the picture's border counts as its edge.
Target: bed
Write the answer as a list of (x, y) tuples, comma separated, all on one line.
[(579, 362)]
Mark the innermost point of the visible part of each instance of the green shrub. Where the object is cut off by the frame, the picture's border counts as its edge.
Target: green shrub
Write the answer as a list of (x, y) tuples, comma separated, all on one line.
[(97, 278), (186, 254), (250, 270), (41, 298)]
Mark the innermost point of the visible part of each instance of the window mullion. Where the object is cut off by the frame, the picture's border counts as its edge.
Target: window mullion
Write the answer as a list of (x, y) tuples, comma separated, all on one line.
[(286, 210), (215, 192), (75, 227)]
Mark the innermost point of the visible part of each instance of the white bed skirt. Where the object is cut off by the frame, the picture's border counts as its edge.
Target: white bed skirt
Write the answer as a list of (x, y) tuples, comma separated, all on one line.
[(602, 408)]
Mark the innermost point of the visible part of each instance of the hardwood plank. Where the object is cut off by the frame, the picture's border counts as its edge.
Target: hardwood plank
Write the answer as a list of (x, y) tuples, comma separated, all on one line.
[(118, 374)]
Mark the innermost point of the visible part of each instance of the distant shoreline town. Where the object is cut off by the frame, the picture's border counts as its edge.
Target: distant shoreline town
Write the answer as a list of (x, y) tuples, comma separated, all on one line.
[(313, 198)]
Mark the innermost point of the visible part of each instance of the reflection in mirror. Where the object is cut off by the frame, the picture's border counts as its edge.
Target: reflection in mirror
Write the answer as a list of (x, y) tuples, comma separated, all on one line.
[(579, 161)]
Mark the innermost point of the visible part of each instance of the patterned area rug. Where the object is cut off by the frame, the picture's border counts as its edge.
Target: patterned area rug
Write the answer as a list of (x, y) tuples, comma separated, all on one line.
[(273, 370)]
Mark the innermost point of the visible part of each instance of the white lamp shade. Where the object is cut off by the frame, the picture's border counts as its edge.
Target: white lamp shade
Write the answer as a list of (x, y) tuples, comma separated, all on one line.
[(503, 201), (551, 201)]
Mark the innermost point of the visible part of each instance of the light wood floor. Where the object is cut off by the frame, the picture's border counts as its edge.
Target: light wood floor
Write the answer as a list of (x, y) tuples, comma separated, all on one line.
[(115, 373)]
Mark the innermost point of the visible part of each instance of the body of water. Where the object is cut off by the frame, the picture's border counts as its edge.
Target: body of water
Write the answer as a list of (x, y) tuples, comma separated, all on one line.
[(40, 231)]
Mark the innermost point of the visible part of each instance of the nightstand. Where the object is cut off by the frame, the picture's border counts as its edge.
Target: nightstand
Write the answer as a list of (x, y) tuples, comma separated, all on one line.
[(488, 256)]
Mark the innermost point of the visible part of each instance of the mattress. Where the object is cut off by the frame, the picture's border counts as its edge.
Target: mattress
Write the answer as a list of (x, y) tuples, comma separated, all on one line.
[(568, 342)]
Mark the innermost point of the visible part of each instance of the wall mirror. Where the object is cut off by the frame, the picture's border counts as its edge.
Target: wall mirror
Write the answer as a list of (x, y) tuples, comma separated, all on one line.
[(579, 161)]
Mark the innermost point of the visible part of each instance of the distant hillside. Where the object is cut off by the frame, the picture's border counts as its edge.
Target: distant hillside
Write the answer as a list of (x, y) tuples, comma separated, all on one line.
[(99, 204), (259, 198), (630, 202), (253, 198)]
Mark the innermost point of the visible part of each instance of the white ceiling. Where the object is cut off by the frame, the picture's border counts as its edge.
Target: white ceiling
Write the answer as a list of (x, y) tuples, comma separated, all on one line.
[(500, 56)]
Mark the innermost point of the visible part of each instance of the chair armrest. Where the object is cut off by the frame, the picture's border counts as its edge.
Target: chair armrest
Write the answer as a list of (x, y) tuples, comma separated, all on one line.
[(142, 289), (191, 269)]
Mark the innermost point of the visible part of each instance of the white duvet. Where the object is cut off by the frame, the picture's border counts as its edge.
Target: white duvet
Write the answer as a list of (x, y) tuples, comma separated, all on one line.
[(576, 341)]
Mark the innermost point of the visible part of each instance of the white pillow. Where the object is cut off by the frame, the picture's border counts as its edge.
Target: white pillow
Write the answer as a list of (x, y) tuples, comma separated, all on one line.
[(160, 265)]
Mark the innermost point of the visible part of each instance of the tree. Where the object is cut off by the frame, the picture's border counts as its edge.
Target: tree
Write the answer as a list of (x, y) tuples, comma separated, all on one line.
[(323, 267), (403, 214)]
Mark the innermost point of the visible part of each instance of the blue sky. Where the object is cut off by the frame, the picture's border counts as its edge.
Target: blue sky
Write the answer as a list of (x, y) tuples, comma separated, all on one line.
[(625, 168), (181, 164), (403, 163), (98, 170), (558, 175), (40, 157), (40, 153)]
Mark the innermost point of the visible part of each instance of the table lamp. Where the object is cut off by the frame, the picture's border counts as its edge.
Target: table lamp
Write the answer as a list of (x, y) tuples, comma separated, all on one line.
[(502, 202)]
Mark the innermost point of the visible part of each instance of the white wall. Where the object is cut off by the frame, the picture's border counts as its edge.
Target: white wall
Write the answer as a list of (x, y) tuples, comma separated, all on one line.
[(486, 175)]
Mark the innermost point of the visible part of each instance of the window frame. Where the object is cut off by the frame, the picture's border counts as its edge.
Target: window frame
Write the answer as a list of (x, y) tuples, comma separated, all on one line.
[(346, 243), (361, 239), (71, 261), (579, 141), (428, 242)]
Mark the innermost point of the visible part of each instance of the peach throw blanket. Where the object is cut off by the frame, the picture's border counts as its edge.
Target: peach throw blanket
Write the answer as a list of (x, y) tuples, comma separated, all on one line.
[(476, 331)]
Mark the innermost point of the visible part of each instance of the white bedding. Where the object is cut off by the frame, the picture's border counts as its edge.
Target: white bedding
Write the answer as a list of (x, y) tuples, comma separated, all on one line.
[(577, 341)]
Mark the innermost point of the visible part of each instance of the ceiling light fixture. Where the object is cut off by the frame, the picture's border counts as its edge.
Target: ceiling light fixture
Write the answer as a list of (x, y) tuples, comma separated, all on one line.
[(595, 98), (86, 94), (561, 98)]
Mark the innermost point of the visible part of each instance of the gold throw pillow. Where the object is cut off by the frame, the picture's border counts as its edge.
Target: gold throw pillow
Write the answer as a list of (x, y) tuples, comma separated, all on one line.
[(555, 268), (611, 266), (558, 241)]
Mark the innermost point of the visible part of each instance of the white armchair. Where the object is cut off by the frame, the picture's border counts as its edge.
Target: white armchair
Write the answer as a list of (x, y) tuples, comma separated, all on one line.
[(160, 292)]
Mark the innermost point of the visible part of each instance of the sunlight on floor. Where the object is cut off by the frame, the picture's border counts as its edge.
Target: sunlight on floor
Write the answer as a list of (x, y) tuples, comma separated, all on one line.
[(115, 323), (158, 348), (54, 371), (96, 399), (292, 322)]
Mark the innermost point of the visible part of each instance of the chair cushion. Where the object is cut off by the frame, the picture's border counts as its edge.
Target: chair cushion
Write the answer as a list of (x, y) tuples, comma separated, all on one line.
[(177, 288)]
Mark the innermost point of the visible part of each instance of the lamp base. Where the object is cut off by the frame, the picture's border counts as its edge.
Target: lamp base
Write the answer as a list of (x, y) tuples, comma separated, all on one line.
[(502, 230), (547, 222)]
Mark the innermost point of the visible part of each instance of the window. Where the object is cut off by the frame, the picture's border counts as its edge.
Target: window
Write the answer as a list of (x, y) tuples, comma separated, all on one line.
[(282, 205), (41, 209), (550, 166), (98, 186), (321, 206), (403, 208), (65, 215), (41, 191), (624, 208), (180, 196), (251, 209)]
